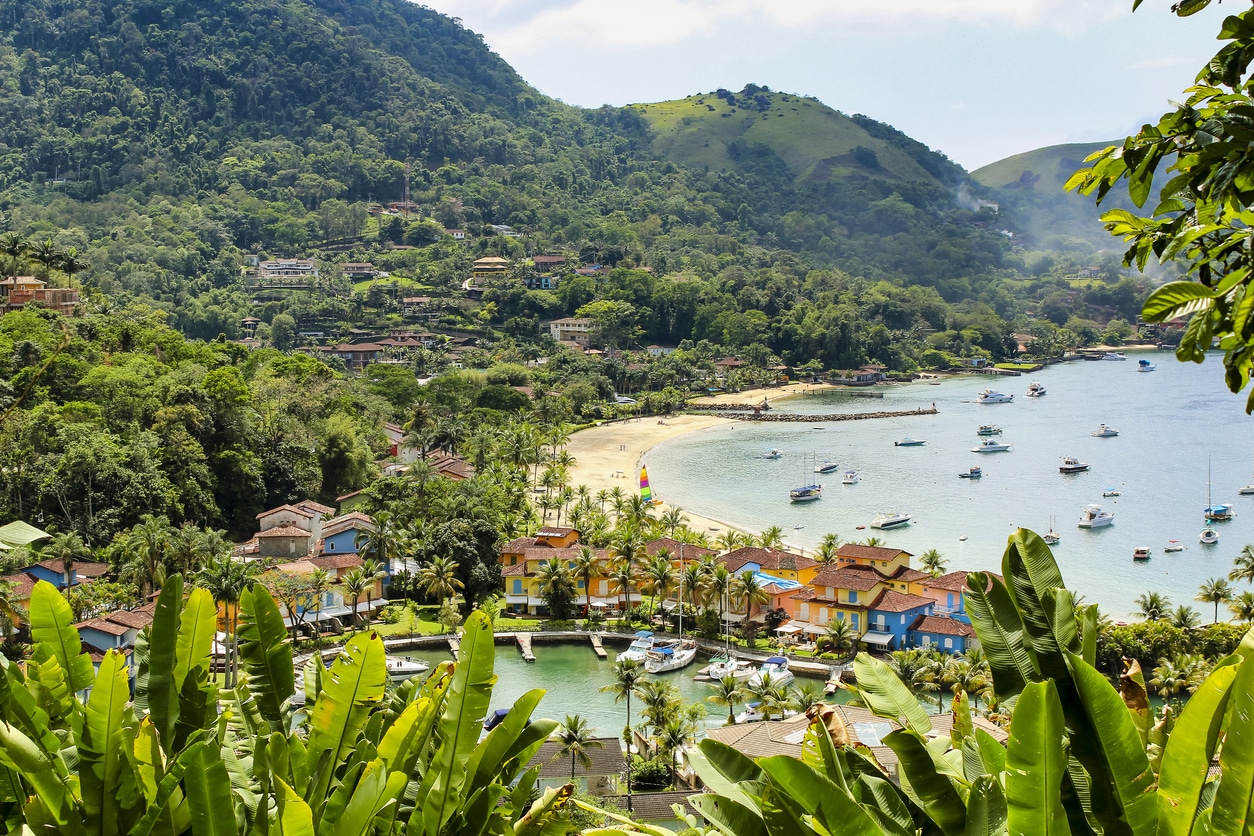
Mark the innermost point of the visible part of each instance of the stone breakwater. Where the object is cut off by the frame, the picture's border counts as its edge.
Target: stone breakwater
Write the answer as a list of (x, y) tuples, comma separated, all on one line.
[(724, 407), (838, 416)]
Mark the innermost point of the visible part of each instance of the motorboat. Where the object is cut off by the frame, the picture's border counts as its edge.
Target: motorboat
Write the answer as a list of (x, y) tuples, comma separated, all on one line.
[(1114, 355), (850, 478), (1173, 546), (1219, 512), (993, 396), (776, 667), (1095, 516), (909, 442), (1141, 553), (1208, 536), (1246, 490), (1070, 464), (988, 429), (639, 647), (973, 473), (1051, 537), (495, 718), (825, 467), (671, 658), (773, 453), (401, 668), (753, 713), (1036, 389), (1111, 492), (724, 665), (988, 445), (1104, 431), (808, 493), (1145, 366), (890, 520)]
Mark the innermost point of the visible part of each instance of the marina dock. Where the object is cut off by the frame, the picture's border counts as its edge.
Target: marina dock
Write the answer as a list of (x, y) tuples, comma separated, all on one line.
[(524, 644), (596, 646), (454, 644)]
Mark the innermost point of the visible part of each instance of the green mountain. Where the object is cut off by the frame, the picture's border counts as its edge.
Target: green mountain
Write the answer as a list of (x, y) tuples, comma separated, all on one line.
[(1044, 170)]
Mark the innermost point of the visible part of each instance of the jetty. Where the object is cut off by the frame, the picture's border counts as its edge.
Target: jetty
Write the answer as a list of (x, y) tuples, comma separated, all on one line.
[(454, 644), (596, 645), (785, 417), (524, 644)]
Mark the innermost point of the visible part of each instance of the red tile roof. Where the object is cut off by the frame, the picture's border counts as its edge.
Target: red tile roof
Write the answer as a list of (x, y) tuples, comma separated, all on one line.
[(519, 545), (301, 511), (892, 601), (942, 626), (23, 584), (908, 575), (855, 551), (104, 625), (955, 581), (518, 570), (284, 531), (860, 578), (310, 505), (336, 561), (768, 559), (691, 552), (130, 618), (554, 531)]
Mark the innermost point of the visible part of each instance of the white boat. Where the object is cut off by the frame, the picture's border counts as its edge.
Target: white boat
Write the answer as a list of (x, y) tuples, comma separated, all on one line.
[(826, 466), (1208, 536), (1094, 516), (773, 454), (639, 647), (909, 442), (724, 665), (807, 493), (1245, 490), (973, 473), (1141, 553), (671, 658), (889, 520), (850, 478), (1070, 464), (1145, 366), (1051, 537), (993, 396), (1113, 355), (1111, 492), (753, 714), (988, 429), (1173, 546), (401, 668), (1035, 389), (1104, 431), (776, 667), (990, 446)]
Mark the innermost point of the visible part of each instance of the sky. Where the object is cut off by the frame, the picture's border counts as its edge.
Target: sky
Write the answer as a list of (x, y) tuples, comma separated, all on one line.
[(978, 80)]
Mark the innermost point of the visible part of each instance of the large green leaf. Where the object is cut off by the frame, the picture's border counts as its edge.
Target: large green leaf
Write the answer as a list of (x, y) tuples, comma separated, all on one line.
[(468, 700), (886, 804), (1130, 777), (1032, 576), (197, 626), (100, 747), (351, 689), (265, 652), (208, 789), (986, 808), (157, 682), (1176, 299), (52, 625), (512, 742), (376, 789), (731, 818), (545, 811), (1190, 749), (726, 771), (930, 779), (1001, 633), (50, 788), (1231, 810), (835, 809), (294, 817), (166, 810), (885, 694), (1036, 763)]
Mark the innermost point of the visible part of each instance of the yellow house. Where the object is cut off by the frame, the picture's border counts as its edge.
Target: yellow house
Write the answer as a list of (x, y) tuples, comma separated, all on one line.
[(887, 561), (839, 593), (774, 562)]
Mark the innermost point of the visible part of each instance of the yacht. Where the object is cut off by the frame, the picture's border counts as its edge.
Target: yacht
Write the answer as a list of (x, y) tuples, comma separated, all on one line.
[(1094, 516), (1173, 546), (773, 453), (990, 446), (639, 648), (1245, 490), (671, 658), (1219, 512), (850, 478), (1114, 355), (1051, 537), (1209, 536), (401, 668), (889, 520), (1111, 492), (988, 429), (1104, 431), (1141, 553), (973, 473), (1036, 389), (807, 493), (826, 466), (724, 665), (1145, 366), (993, 396), (753, 713), (909, 442), (1070, 464), (776, 667)]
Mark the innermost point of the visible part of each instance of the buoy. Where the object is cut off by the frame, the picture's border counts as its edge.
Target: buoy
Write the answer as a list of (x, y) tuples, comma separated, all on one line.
[(859, 527), (963, 537)]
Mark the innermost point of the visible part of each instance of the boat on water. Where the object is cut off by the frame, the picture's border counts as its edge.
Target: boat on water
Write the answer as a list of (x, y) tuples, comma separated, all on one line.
[(723, 665), (988, 445), (1095, 516), (495, 718), (1141, 553), (993, 396), (826, 466), (1145, 366), (776, 667), (1114, 355), (1219, 512), (753, 713), (1246, 490), (988, 429), (850, 478), (1071, 464), (639, 648), (890, 520), (773, 453), (646, 493), (1051, 537), (1036, 389), (672, 658), (401, 668), (1173, 546), (806, 493), (1208, 536), (909, 442), (1111, 492), (1104, 431), (973, 473)]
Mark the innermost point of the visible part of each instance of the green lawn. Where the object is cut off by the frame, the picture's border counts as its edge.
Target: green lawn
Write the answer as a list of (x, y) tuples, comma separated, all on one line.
[(399, 281)]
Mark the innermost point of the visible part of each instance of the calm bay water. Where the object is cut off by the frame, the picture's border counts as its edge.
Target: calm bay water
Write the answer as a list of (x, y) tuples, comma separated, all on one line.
[(1171, 423)]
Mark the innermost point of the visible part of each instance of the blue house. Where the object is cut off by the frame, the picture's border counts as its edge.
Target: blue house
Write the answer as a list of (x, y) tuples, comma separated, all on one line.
[(948, 634), (81, 571), (889, 618)]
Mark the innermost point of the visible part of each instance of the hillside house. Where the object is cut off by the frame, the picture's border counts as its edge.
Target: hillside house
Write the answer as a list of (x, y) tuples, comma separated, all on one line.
[(578, 330), (359, 271), (284, 270), (17, 291), (490, 266), (115, 630), (545, 263), (507, 231), (456, 234)]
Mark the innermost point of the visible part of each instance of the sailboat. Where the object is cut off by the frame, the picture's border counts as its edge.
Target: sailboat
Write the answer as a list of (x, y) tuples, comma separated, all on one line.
[(646, 493), (806, 493), (680, 654), (1246, 490), (1051, 537), (1215, 512), (1208, 535), (723, 664)]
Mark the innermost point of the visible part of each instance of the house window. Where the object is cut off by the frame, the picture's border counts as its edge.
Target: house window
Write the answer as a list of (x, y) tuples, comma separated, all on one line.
[(331, 546), (291, 546), (880, 624), (853, 620), (580, 584), (903, 619), (518, 587), (823, 615), (831, 594), (925, 641), (949, 643), (853, 597), (950, 600), (805, 611)]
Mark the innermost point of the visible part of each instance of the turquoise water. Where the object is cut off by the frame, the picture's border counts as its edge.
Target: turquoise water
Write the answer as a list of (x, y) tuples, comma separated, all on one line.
[(1172, 422)]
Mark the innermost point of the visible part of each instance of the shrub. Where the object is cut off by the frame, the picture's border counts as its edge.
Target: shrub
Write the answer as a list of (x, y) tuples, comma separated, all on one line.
[(649, 775)]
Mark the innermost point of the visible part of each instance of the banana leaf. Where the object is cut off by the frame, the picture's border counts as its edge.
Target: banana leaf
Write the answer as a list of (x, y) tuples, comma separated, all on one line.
[(51, 688), (726, 771), (986, 808), (293, 818), (886, 696), (1001, 633), (208, 789), (52, 626), (1032, 575), (100, 745), (197, 626), (376, 790), (832, 807), (351, 689), (545, 812), (1230, 811), (265, 652), (930, 778), (519, 738), (156, 683), (1036, 764), (1136, 697), (43, 773), (729, 817), (886, 804), (166, 812)]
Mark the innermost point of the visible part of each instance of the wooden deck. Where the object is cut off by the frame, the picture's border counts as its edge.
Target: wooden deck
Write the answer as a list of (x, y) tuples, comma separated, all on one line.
[(596, 646), (454, 644), (524, 644)]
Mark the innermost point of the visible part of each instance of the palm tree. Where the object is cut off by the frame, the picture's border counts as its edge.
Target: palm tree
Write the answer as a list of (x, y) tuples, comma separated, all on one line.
[(804, 698), (628, 674), (226, 580), (63, 549), (1215, 591), (621, 577), (933, 562), (729, 540), (840, 636), (587, 566), (1152, 606), (727, 691), (13, 245), (1242, 607), (438, 579), (1182, 673), (873, 541), (557, 587), (826, 552), (71, 264), (1243, 565), (692, 580), (659, 577), (772, 538), (47, 254), (576, 737), (383, 542), (747, 590), (357, 582), (672, 519), (661, 700), (320, 580), (145, 546), (1185, 617), (672, 738)]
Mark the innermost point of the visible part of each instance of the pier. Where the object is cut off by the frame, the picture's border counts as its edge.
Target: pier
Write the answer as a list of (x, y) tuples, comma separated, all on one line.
[(596, 645), (524, 644), (454, 644), (784, 417)]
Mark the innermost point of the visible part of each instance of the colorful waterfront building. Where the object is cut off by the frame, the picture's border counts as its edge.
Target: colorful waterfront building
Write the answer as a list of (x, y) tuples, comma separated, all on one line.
[(775, 562)]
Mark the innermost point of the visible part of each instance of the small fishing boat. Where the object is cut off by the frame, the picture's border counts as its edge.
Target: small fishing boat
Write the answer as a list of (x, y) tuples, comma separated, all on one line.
[(400, 668), (1111, 492), (1141, 553), (1219, 512), (671, 658), (773, 453), (990, 446), (1173, 546), (850, 478), (776, 667), (1070, 464), (1114, 355), (909, 442), (1208, 536), (826, 466), (1035, 389), (1145, 366), (1095, 516), (990, 396), (988, 429), (973, 473), (890, 520), (1246, 490), (1104, 431)]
